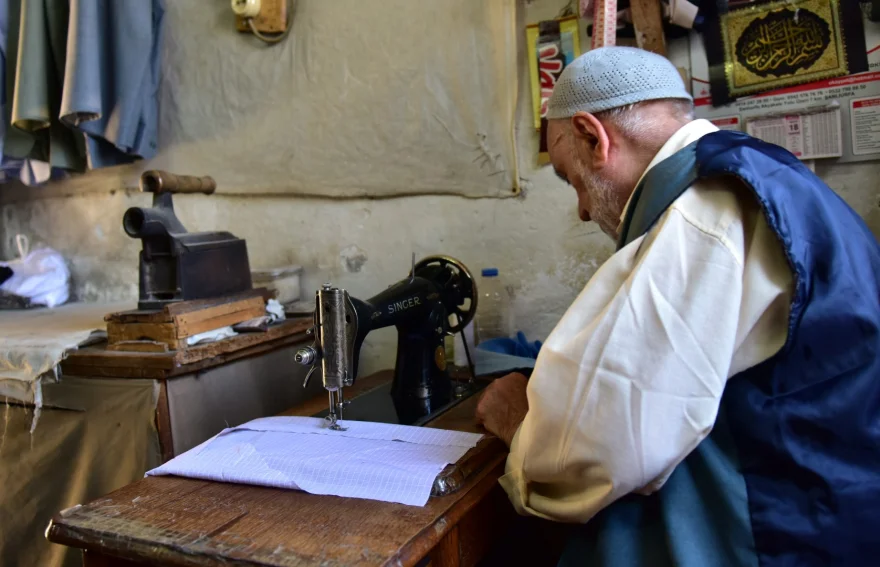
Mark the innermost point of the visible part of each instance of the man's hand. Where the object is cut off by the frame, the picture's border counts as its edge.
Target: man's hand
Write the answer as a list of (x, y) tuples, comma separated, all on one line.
[(503, 406)]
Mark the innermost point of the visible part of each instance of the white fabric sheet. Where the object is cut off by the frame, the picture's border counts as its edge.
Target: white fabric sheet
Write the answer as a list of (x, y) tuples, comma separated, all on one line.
[(376, 461), (363, 99)]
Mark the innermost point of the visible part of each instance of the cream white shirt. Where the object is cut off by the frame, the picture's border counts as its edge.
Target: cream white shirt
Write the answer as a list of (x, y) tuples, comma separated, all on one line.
[(630, 380)]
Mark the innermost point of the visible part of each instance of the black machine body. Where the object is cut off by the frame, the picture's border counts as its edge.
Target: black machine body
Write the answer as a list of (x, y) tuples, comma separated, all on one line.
[(424, 308), (437, 299)]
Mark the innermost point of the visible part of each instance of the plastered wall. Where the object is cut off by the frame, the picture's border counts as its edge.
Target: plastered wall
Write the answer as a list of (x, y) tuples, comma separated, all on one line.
[(539, 245)]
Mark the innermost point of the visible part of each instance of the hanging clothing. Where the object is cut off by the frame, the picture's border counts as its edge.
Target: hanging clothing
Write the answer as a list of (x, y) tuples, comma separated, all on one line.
[(111, 78), (82, 85), (4, 30), (28, 171), (38, 46), (742, 463)]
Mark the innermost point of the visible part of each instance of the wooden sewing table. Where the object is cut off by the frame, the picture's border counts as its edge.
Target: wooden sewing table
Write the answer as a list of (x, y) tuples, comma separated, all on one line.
[(193, 523)]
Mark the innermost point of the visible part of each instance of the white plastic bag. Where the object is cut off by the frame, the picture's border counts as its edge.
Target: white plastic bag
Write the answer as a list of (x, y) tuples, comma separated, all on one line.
[(41, 276)]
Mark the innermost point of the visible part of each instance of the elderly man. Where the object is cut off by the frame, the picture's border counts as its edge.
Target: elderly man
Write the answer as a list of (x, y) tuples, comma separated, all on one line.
[(712, 397)]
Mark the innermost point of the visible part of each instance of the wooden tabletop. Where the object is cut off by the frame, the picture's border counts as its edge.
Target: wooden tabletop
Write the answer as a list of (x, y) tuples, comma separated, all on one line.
[(98, 361), (187, 522)]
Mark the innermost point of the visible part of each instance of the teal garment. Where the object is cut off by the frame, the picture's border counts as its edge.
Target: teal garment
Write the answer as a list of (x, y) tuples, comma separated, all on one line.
[(488, 363), (35, 55), (699, 518), (647, 207)]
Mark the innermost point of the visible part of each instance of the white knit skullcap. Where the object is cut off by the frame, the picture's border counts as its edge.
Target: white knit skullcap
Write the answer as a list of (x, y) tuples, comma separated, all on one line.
[(609, 77)]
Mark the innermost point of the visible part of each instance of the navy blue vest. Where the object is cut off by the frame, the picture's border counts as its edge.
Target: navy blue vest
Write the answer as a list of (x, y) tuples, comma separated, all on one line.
[(790, 474)]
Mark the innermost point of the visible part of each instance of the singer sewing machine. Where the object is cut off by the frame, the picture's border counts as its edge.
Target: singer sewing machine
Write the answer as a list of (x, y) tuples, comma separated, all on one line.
[(439, 298)]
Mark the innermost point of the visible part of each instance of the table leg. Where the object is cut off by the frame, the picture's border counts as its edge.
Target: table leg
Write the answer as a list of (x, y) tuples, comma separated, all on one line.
[(163, 423), (447, 552)]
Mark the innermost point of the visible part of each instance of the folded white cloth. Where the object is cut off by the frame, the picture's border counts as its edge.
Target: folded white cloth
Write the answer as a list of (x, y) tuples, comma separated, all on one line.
[(211, 336)]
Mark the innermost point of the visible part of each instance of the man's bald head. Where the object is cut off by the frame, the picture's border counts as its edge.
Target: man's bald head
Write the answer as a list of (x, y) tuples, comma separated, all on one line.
[(610, 113)]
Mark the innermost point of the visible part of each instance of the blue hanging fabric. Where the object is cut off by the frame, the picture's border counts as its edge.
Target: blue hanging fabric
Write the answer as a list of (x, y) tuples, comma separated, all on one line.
[(80, 85), (111, 78), (519, 346)]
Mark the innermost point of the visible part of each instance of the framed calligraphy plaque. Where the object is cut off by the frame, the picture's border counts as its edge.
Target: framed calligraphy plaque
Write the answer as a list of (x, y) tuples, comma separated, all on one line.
[(771, 45), (782, 44)]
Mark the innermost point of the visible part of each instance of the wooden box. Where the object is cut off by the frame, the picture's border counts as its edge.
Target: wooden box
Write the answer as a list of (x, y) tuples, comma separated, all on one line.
[(168, 329)]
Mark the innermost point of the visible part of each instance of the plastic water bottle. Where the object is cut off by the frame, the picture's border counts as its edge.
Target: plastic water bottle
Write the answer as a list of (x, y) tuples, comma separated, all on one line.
[(494, 316)]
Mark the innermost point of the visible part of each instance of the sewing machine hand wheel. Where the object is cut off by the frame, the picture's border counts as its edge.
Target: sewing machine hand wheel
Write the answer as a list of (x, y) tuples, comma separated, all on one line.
[(462, 282)]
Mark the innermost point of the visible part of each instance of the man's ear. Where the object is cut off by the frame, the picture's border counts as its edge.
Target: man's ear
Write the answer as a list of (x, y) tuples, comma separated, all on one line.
[(587, 129)]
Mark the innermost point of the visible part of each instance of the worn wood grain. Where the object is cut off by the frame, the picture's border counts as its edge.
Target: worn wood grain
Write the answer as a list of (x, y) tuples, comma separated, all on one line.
[(184, 324), (486, 524), (163, 423), (113, 372), (98, 360), (98, 356), (138, 346), (159, 332), (207, 312), (187, 522), (648, 23), (171, 310), (447, 552), (199, 304), (189, 324), (139, 316)]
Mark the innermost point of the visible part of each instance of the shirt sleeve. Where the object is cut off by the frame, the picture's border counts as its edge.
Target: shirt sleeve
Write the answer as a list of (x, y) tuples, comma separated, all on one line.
[(630, 380)]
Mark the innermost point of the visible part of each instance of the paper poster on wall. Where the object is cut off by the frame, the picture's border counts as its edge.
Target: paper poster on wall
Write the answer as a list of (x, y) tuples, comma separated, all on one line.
[(727, 123), (808, 136), (865, 118), (804, 100)]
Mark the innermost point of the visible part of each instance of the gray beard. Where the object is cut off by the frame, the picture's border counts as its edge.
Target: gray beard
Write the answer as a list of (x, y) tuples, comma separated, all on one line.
[(604, 204)]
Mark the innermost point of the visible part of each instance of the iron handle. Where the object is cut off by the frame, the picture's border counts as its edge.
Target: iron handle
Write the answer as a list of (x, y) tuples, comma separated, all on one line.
[(156, 181)]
